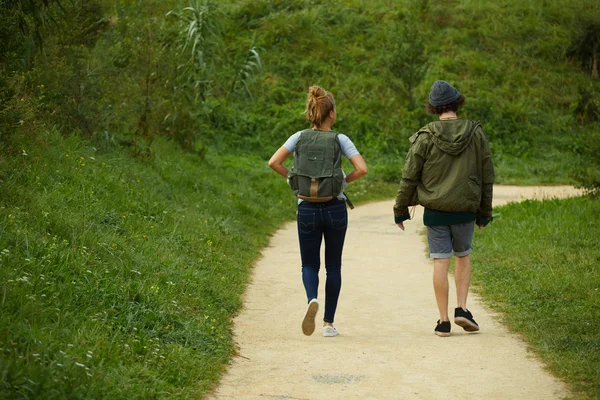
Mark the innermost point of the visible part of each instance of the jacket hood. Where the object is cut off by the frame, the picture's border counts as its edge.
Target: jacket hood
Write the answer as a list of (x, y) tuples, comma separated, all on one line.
[(453, 136)]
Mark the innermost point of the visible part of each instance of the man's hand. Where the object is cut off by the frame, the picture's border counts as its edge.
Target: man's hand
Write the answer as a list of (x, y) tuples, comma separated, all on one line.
[(400, 225), (482, 222)]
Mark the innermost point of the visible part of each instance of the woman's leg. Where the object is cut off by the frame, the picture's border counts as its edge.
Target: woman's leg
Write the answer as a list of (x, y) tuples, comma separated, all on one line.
[(310, 237), (336, 223)]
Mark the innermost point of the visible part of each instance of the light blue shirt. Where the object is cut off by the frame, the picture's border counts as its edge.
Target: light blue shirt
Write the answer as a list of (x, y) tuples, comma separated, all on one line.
[(346, 146)]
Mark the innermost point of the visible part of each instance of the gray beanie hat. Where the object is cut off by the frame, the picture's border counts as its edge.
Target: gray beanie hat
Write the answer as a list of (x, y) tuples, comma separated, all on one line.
[(442, 93)]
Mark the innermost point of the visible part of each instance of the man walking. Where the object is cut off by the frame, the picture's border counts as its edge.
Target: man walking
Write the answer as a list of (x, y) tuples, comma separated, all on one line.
[(450, 172)]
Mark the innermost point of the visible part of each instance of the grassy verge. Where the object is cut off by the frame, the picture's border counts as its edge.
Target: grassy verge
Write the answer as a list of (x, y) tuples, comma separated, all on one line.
[(538, 265), (119, 277)]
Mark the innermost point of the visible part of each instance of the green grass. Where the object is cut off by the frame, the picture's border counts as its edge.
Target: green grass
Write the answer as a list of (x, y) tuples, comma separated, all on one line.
[(119, 277), (537, 263), (507, 57)]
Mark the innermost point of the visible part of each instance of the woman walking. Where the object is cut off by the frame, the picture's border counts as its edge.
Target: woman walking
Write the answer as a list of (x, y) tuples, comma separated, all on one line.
[(320, 217)]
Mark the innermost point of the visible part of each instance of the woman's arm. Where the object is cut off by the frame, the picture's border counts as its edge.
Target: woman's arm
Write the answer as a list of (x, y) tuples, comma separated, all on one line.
[(360, 168), (276, 161)]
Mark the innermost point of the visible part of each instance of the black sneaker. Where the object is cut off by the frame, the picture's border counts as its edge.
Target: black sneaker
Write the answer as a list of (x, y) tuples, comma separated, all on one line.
[(465, 319), (443, 328)]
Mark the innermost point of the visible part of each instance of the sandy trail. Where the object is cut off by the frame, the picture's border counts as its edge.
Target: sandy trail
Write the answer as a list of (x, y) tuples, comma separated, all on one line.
[(386, 348)]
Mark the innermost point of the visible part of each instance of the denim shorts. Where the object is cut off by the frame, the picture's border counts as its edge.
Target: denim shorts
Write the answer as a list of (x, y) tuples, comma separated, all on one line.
[(445, 240)]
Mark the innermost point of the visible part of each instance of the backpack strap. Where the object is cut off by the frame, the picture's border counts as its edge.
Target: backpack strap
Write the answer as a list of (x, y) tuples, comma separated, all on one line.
[(348, 201)]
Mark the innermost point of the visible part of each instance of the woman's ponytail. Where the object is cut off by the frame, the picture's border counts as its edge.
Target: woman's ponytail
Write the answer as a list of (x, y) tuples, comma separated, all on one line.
[(319, 103)]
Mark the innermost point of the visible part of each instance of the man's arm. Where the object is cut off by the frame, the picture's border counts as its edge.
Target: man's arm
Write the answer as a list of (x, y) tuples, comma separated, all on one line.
[(411, 177), (484, 213)]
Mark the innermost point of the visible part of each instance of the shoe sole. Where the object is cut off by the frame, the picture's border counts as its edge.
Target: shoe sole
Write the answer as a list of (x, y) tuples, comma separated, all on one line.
[(308, 323), (330, 334), (442, 334), (466, 324)]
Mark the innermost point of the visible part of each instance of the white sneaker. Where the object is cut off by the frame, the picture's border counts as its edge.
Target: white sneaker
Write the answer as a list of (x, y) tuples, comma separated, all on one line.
[(330, 331), (308, 323)]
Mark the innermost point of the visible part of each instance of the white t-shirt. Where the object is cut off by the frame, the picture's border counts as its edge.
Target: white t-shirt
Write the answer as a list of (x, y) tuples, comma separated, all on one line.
[(346, 146)]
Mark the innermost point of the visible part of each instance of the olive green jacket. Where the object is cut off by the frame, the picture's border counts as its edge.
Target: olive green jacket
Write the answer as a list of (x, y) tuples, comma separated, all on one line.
[(449, 167)]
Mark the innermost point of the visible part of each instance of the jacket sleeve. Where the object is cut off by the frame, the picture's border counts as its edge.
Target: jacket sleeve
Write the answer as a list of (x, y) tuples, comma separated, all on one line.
[(488, 176), (411, 177)]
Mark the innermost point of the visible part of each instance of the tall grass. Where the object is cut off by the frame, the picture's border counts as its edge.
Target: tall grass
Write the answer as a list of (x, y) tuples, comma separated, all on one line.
[(380, 59), (231, 75)]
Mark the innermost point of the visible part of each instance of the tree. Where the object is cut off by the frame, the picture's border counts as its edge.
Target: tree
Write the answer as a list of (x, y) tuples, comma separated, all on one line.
[(585, 48)]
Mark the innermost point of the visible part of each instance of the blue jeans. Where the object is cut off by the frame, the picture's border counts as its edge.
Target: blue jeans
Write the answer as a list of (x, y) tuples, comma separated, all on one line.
[(315, 221)]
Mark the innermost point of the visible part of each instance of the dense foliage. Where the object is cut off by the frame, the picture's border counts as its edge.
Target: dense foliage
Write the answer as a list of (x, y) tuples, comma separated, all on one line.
[(134, 194), (232, 75)]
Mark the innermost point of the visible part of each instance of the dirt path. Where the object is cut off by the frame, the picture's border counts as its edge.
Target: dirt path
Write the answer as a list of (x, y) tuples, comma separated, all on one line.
[(386, 348)]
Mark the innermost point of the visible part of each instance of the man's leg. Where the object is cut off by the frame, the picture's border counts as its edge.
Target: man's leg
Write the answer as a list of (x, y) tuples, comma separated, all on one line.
[(462, 278), (462, 237), (439, 239), (440, 285)]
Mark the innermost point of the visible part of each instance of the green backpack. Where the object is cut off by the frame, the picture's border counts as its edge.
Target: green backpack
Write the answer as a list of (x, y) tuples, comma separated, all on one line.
[(317, 174)]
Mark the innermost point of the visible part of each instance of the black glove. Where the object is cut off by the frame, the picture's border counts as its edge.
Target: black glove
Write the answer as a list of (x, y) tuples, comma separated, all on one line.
[(482, 221)]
